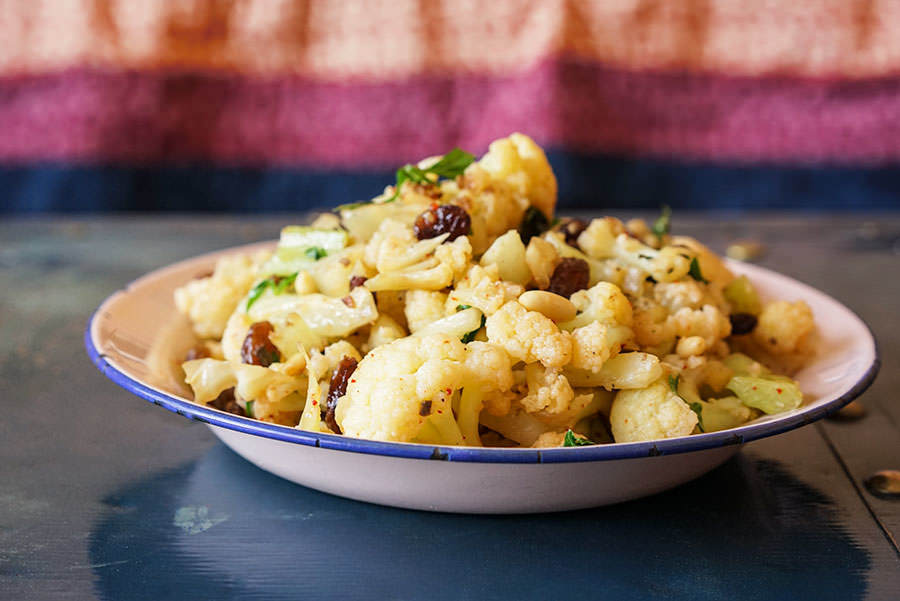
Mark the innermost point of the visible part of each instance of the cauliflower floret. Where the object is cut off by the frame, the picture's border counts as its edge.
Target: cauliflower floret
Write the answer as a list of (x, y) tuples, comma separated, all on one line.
[(604, 303), (402, 391), (210, 301), (529, 336), (783, 326), (482, 288), (709, 323), (455, 255), (520, 163), (398, 385), (595, 343), (677, 295), (489, 366), (383, 331), (423, 307), (548, 390), (598, 240), (653, 331), (498, 189), (650, 413)]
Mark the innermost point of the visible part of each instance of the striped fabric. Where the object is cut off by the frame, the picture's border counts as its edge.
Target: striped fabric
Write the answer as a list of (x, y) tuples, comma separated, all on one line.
[(323, 87)]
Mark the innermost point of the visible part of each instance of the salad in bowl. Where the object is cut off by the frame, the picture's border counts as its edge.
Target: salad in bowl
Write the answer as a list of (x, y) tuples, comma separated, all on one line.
[(455, 308)]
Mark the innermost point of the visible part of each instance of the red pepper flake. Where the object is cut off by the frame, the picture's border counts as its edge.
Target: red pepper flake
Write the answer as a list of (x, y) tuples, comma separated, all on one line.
[(353, 381), (434, 206), (754, 388), (315, 403), (449, 391), (778, 390)]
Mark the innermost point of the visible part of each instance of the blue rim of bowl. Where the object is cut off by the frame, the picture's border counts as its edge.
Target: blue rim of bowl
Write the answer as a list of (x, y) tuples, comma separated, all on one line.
[(603, 452)]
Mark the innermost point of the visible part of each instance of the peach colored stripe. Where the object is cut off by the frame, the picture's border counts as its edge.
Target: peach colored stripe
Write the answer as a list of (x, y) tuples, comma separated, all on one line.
[(390, 39)]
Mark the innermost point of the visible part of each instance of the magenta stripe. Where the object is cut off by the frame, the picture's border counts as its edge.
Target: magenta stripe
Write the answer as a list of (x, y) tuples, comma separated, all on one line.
[(89, 115)]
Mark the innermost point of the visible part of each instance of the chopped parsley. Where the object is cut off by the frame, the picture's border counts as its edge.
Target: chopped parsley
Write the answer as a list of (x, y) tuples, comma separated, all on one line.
[(571, 441), (663, 223), (449, 166), (350, 206), (467, 338), (462, 307), (695, 272), (315, 252), (698, 409), (278, 283), (673, 383), (248, 409)]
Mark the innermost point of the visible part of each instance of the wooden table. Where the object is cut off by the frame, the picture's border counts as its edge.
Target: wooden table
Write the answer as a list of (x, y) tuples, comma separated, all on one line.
[(103, 495)]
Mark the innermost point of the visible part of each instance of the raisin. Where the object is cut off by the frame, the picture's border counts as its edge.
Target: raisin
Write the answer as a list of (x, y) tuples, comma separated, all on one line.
[(197, 352), (357, 280), (258, 348), (336, 389), (742, 323), (571, 229), (225, 402), (425, 408), (444, 219), (570, 276)]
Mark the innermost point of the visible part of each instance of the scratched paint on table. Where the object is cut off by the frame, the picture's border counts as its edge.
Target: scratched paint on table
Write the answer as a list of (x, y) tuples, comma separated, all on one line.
[(196, 519)]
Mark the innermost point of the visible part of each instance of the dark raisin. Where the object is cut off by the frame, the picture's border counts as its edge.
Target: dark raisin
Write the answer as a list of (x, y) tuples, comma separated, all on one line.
[(570, 276), (357, 280), (336, 389), (571, 229), (348, 300), (257, 348), (444, 219), (534, 223), (225, 402), (425, 408), (742, 323), (197, 352)]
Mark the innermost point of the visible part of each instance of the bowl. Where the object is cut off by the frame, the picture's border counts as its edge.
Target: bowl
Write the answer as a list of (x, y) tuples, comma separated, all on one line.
[(137, 339)]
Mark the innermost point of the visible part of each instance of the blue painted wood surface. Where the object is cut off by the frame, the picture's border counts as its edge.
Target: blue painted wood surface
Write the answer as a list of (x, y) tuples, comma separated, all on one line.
[(105, 496)]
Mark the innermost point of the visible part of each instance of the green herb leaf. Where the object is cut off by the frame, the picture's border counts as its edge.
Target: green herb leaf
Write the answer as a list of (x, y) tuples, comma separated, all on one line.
[(467, 338), (452, 164), (571, 441), (448, 166), (278, 283), (249, 409), (350, 206), (698, 409), (673, 383), (462, 307), (663, 224), (534, 223), (315, 252), (695, 273)]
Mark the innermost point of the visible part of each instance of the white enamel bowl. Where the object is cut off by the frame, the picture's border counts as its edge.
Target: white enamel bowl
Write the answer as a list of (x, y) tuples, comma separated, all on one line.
[(137, 339)]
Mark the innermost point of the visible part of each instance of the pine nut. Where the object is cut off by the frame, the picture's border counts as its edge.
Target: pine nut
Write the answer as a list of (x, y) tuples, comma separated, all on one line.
[(551, 305), (692, 346)]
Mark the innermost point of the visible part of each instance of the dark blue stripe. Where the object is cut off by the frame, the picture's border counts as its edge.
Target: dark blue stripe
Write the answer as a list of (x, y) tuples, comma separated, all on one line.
[(586, 181)]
